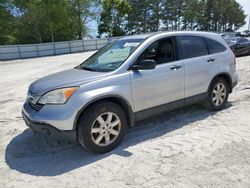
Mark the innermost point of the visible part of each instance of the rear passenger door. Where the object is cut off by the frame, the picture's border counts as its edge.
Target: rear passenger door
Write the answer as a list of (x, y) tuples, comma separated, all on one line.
[(218, 59), (195, 56)]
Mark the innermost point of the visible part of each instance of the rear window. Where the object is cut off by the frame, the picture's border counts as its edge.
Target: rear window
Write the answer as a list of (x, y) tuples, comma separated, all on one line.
[(192, 46), (214, 47)]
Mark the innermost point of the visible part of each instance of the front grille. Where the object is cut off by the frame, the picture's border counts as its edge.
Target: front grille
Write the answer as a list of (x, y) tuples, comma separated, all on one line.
[(33, 101), (36, 107)]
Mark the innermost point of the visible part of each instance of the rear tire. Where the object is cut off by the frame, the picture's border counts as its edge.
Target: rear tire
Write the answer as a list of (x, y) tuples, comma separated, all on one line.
[(217, 94), (101, 127)]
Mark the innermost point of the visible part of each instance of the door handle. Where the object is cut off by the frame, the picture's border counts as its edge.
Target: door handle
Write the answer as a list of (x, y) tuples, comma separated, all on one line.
[(211, 60), (175, 67)]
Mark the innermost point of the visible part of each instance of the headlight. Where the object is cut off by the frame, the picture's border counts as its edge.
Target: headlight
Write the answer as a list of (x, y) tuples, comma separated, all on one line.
[(58, 96)]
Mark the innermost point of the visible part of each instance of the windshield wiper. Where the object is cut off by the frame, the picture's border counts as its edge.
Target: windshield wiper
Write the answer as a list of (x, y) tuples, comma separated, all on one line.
[(85, 68), (88, 69), (94, 70)]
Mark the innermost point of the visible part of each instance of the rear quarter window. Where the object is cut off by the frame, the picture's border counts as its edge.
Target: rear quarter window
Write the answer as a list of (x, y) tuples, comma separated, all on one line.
[(214, 47), (192, 46)]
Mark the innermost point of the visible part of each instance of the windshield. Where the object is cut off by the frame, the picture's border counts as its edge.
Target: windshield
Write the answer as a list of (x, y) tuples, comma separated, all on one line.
[(111, 56)]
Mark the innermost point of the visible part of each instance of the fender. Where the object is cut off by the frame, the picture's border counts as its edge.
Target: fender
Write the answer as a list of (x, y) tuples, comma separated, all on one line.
[(122, 101), (227, 78)]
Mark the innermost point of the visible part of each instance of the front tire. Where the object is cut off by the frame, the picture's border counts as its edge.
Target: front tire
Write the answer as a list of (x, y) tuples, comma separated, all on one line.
[(101, 127), (217, 95)]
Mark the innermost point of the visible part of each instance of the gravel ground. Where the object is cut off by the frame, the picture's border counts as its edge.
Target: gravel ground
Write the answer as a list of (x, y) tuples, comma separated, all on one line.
[(190, 147)]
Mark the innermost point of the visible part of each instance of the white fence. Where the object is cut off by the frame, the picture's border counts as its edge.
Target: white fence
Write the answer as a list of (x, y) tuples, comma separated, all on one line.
[(46, 49), (8, 52)]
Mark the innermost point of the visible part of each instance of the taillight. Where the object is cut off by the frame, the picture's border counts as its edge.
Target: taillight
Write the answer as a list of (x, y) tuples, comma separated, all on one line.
[(234, 62)]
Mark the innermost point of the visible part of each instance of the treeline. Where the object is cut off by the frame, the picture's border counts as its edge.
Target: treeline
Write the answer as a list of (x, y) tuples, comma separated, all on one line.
[(121, 17), (37, 21)]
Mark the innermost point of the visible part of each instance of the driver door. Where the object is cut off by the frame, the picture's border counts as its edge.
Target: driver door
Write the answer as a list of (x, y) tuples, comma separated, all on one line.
[(162, 85)]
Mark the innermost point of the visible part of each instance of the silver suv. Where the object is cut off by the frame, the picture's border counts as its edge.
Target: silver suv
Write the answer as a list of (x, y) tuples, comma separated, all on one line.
[(129, 80)]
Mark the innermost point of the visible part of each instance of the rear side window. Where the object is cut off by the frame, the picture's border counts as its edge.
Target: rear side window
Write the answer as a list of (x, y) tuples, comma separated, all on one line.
[(214, 47), (192, 46)]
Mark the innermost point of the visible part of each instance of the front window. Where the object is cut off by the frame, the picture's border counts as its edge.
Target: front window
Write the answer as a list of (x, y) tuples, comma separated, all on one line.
[(111, 56), (162, 51)]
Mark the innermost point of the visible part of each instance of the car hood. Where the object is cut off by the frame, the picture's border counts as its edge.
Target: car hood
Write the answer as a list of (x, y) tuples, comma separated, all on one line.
[(68, 78)]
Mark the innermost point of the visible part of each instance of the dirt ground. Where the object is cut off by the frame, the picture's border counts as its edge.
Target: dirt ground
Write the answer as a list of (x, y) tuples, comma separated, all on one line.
[(191, 147)]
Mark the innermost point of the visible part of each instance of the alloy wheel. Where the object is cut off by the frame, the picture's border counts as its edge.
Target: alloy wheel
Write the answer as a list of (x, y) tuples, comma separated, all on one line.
[(105, 129), (219, 94)]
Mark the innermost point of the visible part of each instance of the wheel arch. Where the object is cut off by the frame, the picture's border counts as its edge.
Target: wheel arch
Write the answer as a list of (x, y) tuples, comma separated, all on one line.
[(121, 101), (227, 77)]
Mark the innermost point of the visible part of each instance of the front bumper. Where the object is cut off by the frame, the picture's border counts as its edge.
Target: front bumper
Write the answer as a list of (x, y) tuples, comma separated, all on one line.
[(61, 117), (49, 131)]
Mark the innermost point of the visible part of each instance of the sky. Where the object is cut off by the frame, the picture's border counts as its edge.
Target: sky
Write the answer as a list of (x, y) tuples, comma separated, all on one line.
[(246, 6)]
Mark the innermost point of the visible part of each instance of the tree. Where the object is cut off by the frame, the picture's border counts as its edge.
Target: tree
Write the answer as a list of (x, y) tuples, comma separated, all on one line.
[(144, 16), (49, 20), (233, 16), (221, 14), (155, 15), (85, 11), (174, 10), (192, 14), (114, 17), (45, 21), (7, 23)]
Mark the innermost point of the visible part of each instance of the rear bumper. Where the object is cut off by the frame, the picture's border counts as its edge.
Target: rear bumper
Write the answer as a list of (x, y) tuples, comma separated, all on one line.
[(49, 131)]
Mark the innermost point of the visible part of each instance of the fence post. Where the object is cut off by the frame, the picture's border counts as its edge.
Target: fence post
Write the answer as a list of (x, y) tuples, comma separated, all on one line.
[(96, 44), (54, 48), (19, 52), (109, 39), (83, 48), (37, 51), (69, 47)]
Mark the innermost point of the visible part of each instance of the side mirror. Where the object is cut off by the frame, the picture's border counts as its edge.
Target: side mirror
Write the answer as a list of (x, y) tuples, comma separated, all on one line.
[(146, 64)]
